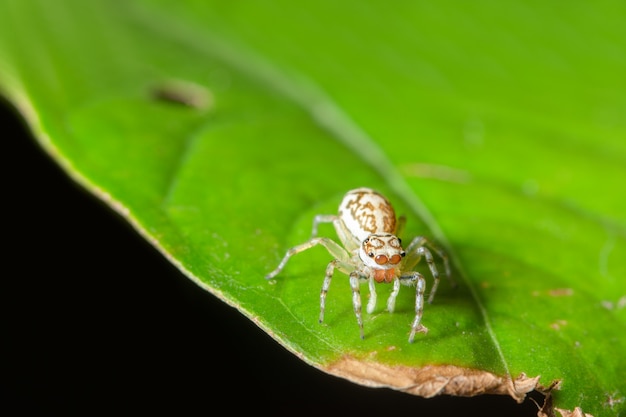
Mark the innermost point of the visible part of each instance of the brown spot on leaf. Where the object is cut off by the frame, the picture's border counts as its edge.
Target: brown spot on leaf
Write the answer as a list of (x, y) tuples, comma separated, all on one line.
[(561, 292), (558, 324), (185, 93), (613, 399), (556, 292)]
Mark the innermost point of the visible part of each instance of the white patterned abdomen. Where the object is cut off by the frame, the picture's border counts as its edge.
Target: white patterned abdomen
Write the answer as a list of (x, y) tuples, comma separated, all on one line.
[(364, 211)]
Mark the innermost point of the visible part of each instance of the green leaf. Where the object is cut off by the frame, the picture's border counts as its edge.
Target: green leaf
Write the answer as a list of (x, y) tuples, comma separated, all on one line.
[(219, 131)]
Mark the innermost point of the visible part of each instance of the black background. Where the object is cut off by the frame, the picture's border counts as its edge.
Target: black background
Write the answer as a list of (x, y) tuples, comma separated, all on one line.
[(96, 322)]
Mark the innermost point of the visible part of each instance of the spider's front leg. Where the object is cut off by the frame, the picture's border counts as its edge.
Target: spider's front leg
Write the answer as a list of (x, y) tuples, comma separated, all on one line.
[(371, 304), (331, 246), (340, 262), (420, 285), (391, 301)]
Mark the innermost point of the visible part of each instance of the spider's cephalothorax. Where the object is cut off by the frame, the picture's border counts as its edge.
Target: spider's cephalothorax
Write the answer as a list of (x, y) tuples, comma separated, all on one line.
[(367, 227), (382, 254)]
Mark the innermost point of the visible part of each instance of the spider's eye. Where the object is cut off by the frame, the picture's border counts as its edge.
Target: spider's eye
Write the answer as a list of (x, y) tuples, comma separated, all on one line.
[(381, 259), (395, 259), (366, 240), (371, 254), (403, 254)]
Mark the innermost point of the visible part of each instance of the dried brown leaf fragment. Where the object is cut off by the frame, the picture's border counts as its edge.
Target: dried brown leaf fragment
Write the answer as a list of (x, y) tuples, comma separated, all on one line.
[(432, 380)]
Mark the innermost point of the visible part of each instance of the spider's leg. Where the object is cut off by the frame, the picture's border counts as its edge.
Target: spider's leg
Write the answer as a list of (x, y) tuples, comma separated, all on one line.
[(419, 248), (321, 218), (420, 285), (371, 304), (332, 247), (433, 270), (444, 258), (356, 300), (391, 301), (330, 270), (327, 278)]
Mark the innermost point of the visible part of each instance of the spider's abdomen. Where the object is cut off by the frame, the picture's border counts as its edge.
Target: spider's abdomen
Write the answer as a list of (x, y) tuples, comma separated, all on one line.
[(365, 212)]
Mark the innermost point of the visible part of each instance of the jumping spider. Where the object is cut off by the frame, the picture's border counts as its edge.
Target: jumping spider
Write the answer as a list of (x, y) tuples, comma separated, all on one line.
[(367, 227)]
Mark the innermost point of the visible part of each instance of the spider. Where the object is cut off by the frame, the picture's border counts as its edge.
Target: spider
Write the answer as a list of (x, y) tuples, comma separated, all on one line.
[(367, 227)]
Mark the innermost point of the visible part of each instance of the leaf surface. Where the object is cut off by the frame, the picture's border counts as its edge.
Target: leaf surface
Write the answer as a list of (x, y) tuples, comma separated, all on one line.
[(496, 129)]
